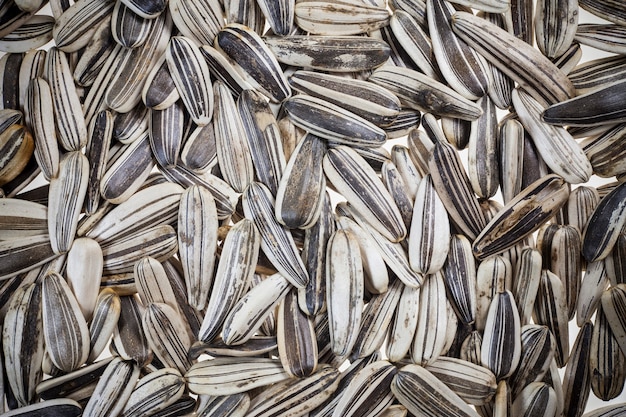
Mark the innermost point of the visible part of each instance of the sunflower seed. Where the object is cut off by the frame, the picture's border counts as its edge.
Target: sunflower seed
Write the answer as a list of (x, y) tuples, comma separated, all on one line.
[(100, 135), (17, 145), (23, 254), (420, 92), (344, 294), (103, 322), (95, 54), (233, 276), (577, 377), (607, 9), (344, 17), (129, 339), (157, 204), (75, 27), (312, 298), (535, 204), (259, 206), (167, 335), (197, 236), (198, 20), (424, 394), (295, 396), (555, 26), (608, 411), (153, 285), (23, 350), (483, 164), (369, 391), (228, 376), (256, 63), (375, 274), (462, 67), (66, 196), (460, 278), (248, 314), (536, 399), (263, 136), (34, 33), (154, 392), (84, 273), (235, 405), (190, 73), (351, 175), (475, 384), (607, 363), (551, 310), (127, 173), (128, 28), (613, 302), (399, 192), (159, 91), (297, 344), (556, 147), (526, 282), (537, 353), (501, 347), (21, 218), (432, 322), (604, 226), (61, 407), (453, 187), (376, 320), (517, 59), (404, 324), (123, 91), (114, 388), (337, 54), (614, 264)]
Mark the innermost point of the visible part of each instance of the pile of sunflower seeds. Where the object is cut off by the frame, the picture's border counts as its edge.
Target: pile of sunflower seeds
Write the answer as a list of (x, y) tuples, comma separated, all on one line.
[(184, 256)]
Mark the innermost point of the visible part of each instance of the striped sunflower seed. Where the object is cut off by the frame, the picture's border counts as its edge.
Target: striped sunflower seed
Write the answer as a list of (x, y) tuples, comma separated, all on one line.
[(613, 302), (103, 322), (75, 27), (58, 407), (154, 392), (198, 20), (228, 376), (297, 344), (235, 405), (537, 354), (535, 204), (167, 335), (191, 76), (556, 22), (424, 394), (66, 197), (594, 282), (344, 291), (295, 396), (114, 388), (128, 28), (300, 194), (159, 91), (514, 57), (460, 278), (462, 67), (607, 363), (259, 206), (344, 17), (536, 399), (249, 313), (600, 108), (233, 276), (551, 310), (432, 322), (357, 181), (604, 226), (64, 327), (420, 92), (197, 237), (23, 349), (577, 377), (255, 61)]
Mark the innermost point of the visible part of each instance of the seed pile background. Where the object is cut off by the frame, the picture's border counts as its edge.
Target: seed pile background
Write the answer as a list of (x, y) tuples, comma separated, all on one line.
[(310, 208)]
